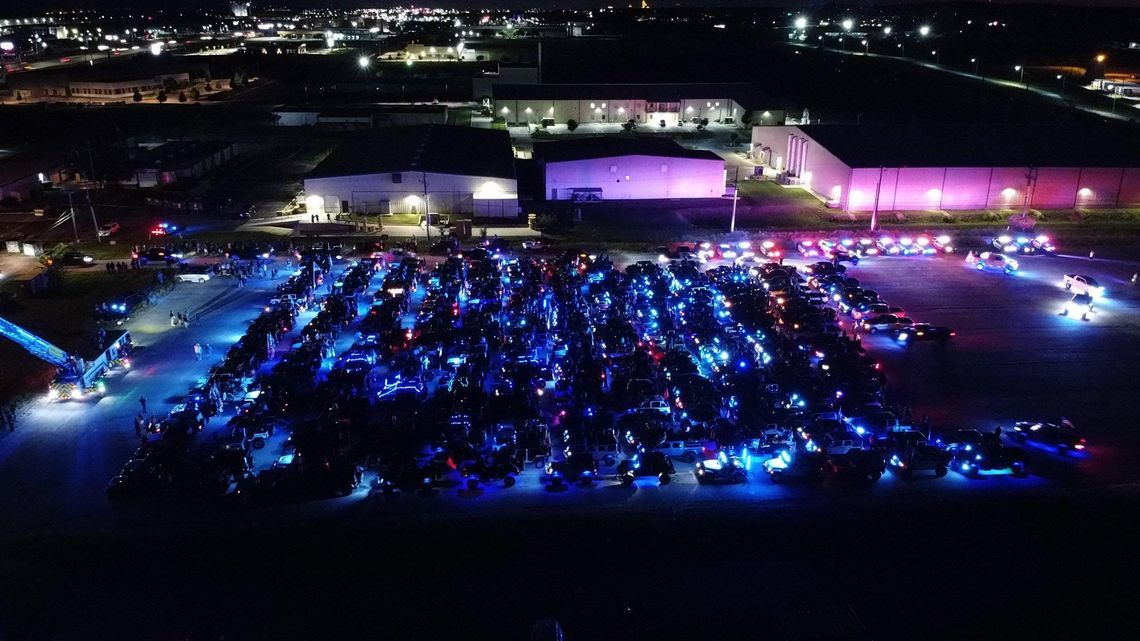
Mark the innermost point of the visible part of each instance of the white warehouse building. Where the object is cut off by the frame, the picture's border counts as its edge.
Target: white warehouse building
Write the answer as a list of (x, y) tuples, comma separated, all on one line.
[(592, 169), (418, 169), (954, 167)]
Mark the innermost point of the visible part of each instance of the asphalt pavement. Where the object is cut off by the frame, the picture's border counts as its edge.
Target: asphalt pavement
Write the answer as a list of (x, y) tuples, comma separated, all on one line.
[(56, 465)]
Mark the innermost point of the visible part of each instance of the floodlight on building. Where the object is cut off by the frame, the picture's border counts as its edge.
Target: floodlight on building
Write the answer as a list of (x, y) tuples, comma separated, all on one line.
[(801, 23), (848, 24), (412, 200), (886, 31), (506, 110), (315, 204), (1084, 192), (1008, 192), (528, 110), (924, 30), (1101, 57)]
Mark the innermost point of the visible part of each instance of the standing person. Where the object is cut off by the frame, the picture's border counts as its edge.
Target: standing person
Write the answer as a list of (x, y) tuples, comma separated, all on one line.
[(1092, 254), (209, 350), (138, 425), (142, 403), (172, 321), (197, 351)]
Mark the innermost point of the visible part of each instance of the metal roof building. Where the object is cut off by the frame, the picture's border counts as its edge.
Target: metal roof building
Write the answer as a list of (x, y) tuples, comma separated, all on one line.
[(436, 168)]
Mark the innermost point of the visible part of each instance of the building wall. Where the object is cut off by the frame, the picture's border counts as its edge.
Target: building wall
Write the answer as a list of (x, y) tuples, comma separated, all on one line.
[(636, 177), (605, 110), (939, 188), (955, 188), (381, 193)]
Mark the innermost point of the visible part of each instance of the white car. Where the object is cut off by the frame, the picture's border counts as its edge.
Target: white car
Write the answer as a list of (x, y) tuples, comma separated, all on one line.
[(1079, 306), (108, 229), (193, 275), (1081, 284)]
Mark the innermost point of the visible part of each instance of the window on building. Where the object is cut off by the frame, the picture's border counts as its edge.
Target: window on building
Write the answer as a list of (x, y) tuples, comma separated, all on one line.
[(664, 169), (613, 169), (397, 178)]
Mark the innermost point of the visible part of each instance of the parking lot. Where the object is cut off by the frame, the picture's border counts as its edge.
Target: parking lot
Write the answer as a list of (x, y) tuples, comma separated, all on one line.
[(370, 376), (1008, 333)]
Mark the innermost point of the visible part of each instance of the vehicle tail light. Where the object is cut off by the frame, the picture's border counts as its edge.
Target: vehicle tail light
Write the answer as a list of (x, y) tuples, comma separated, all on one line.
[(953, 333)]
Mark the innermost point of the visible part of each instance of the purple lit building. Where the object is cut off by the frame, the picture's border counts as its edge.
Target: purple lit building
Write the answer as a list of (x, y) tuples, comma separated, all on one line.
[(953, 167), (627, 169)]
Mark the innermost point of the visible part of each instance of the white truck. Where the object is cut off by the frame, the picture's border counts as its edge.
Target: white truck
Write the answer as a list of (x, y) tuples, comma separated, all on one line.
[(1081, 284)]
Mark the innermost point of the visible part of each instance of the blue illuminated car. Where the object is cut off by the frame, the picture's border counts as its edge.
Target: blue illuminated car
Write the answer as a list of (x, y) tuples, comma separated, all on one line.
[(1064, 439), (988, 458), (723, 469), (802, 466), (993, 261), (646, 464)]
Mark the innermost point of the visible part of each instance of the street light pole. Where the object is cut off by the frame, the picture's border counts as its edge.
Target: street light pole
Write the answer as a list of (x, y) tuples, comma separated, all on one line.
[(735, 197), (875, 205)]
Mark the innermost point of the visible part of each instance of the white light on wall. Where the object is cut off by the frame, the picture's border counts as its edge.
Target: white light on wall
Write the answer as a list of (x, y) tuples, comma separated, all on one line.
[(528, 110), (315, 204), (412, 200), (836, 192), (156, 48), (490, 187), (506, 110), (933, 194), (1008, 192), (1084, 192)]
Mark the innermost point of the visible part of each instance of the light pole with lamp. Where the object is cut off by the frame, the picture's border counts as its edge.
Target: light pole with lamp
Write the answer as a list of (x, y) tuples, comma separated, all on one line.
[(866, 47), (976, 63), (1061, 77), (1021, 78), (935, 54)]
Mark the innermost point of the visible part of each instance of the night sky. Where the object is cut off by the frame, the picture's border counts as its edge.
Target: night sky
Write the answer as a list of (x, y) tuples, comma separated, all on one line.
[(8, 6)]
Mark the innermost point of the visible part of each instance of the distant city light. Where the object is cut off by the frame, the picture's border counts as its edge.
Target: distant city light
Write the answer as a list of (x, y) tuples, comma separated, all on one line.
[(801, 23), (848, 24), (924, 30), (887, 31), (363, 61)]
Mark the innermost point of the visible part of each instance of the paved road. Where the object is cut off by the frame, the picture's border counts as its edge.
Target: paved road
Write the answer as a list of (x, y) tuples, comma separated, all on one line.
[(56, 465)]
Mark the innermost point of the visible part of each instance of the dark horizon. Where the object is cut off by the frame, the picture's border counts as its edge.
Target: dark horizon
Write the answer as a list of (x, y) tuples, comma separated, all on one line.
[(28, 7)]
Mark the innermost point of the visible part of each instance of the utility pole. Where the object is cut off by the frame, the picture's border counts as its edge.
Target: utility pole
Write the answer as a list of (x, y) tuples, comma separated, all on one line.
[(427, 210), (71, 212), (87, 193), (735, 197), (875, 205)]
